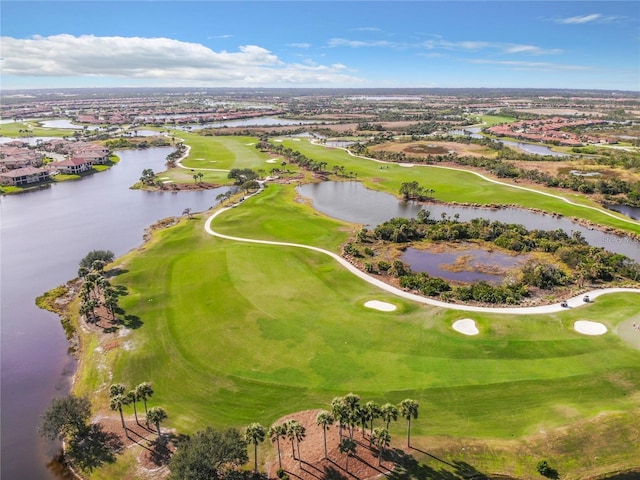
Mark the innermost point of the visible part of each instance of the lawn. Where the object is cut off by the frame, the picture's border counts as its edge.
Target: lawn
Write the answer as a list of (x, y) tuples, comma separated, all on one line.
[(453, 185), (231, 333)]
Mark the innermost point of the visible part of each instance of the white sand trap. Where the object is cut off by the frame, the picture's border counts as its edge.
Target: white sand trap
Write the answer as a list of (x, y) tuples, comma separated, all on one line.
[(296, 139), (249, 144), (164, 178), (408, 165), (586, 327), (279, 141), (466, 326), (273, 160), (378, 305), (168, 181)]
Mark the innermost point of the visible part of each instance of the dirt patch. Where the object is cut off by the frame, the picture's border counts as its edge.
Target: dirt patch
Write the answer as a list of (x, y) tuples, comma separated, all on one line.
[(312, 464), (154, 453), (426, 148)]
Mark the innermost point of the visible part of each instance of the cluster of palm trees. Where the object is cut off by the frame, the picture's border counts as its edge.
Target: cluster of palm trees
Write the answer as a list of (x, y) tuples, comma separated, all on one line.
[(348, 413), (96, 290), (119, 396)]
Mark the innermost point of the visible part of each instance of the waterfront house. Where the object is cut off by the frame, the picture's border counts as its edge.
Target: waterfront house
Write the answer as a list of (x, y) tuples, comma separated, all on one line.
[(24, 176)]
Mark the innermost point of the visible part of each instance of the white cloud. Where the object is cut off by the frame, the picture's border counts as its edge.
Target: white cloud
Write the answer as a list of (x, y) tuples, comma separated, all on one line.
[(366, 29), (343, 42), (299, 45), (594, 17), (538, 66), (506, 48), (161, 59), (441, 44)]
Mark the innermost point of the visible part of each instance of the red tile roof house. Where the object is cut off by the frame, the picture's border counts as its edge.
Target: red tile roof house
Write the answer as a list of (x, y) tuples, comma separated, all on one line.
[(24, 176), (72, 165)]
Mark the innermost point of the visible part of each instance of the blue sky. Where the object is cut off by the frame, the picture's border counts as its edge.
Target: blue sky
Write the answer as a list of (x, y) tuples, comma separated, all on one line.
[(519, 44)]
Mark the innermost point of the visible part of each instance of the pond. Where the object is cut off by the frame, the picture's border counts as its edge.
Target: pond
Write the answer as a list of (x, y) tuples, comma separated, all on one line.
[(44, 235), (352, 202), (535, 149), (628, 210), (466, 264)]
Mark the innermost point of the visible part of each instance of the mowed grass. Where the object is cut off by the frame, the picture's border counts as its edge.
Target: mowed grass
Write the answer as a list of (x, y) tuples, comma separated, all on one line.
[(233, 333), (452, 185)]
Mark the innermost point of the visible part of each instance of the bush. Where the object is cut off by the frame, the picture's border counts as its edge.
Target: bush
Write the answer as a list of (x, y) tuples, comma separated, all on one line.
[(545, 470)]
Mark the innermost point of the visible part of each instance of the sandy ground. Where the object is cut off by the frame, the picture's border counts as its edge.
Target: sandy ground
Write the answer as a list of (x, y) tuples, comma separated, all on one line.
[(587, 327), (382, 306), (466, 326)]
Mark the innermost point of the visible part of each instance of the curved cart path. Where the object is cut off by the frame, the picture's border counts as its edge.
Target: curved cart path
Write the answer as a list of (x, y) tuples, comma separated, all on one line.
[(572, 302), (497, 182)]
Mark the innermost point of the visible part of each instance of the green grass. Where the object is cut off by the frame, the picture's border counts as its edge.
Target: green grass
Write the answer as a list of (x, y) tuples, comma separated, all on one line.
[(456, 185), (299, 335), (17, 130), (231, 333)]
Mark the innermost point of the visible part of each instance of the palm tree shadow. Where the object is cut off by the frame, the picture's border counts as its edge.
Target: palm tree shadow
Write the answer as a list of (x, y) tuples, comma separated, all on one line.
[(160, 451), (331, 473), (131, 321), (409, 468)]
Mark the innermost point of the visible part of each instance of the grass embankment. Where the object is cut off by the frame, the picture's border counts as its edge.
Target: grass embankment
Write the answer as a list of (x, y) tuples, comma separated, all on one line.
[(253, 332), (452, 185), (231, 333), (30, 129)]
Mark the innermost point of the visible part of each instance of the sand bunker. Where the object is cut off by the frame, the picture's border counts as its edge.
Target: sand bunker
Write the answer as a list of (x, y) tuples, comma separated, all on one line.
[(273, 160), (466, 326), (382, 306), (408, 165), (586, 327)]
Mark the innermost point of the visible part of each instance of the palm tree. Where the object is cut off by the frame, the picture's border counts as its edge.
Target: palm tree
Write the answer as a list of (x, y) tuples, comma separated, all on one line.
[(275, 433), (348, 447), (362, 416), (340, 413), (144, 391), (382, 439), (409, 410), (300, 433), (155, 416), (290, 428), (118, 398), (324, 419), (389, 412), (255, 435), (111, 302), (133, 398), (352, 401), (374, 412)]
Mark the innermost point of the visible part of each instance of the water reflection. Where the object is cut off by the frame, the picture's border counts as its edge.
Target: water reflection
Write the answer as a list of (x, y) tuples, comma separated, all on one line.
[(352, 202), (629, 211), (462, 265), (44, 235)]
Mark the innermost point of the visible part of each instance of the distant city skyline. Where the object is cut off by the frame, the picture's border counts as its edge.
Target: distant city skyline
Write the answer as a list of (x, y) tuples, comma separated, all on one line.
[(342, 44)]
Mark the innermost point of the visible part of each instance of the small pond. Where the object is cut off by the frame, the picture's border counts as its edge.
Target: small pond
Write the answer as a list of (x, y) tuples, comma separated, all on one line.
[(462, 265), (629, 211), (352, 202)]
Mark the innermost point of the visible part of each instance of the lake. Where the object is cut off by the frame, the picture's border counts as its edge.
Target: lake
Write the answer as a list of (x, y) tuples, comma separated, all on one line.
[(352, 202), (44, 234)]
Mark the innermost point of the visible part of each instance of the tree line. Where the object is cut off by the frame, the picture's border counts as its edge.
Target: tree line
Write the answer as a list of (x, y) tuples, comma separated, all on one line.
[(612, 189), (577, 261)]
